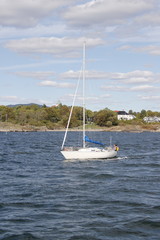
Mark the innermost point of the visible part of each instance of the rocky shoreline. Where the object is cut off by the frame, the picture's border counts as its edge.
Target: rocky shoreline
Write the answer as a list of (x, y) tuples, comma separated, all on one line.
[(9, 127)]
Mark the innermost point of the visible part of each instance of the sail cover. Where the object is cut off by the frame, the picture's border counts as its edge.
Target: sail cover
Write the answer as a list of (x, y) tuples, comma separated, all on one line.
[(87, 139)]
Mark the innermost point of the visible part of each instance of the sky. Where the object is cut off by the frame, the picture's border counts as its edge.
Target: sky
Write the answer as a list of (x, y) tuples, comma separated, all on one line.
[(41, 48)]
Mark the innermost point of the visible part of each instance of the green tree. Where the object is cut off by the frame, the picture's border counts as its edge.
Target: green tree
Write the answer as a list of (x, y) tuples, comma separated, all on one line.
[(53, 114), (89, 116), (106, 118), (142, 114), (6, 114), (150, 113)]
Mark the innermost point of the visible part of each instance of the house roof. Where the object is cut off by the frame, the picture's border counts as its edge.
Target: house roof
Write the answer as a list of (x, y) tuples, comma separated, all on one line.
[(122, 113)]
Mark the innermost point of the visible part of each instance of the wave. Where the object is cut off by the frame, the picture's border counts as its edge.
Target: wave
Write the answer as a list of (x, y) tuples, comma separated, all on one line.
[(144, 223), (122, 157), (24, 236), (89, 160), (83, 237)]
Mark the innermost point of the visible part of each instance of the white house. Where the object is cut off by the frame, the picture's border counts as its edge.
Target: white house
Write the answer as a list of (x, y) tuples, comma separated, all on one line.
[(122, 115), (151, 119)]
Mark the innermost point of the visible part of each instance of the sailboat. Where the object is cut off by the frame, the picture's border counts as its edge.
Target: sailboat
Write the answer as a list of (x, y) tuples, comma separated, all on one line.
[(84, 152)]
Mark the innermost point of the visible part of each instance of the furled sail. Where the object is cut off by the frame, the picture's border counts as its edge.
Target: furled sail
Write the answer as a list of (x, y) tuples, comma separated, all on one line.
[(87, 139)]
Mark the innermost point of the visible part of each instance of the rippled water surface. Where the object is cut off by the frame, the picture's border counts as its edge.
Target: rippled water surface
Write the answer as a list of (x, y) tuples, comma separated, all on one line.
[(44, 197)]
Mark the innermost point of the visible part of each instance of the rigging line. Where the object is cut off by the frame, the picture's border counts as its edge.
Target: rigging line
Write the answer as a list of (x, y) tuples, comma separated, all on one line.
[(70, 115), (84, 110)]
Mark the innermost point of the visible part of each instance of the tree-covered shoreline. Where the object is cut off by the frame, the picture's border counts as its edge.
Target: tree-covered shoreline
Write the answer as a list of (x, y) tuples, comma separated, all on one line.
[(55, 118)]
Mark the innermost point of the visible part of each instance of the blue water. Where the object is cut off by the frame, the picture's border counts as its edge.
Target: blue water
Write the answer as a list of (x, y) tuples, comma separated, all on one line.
[(44, 197)]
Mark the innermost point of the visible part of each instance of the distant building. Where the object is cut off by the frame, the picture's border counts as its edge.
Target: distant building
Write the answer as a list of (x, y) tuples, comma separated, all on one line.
[(151, 119), (122, 115)]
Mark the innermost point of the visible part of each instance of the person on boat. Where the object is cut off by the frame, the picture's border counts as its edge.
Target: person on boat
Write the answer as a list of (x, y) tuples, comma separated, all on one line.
[(116, 148)]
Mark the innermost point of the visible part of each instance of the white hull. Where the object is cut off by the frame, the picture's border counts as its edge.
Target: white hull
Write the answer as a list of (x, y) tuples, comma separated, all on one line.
[(89, 153)]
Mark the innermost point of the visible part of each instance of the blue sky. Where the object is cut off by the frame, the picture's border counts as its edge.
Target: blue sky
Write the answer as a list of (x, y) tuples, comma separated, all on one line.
[(41, 52)]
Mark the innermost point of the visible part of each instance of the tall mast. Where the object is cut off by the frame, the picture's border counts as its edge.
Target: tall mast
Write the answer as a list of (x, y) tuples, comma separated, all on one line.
[(84, 112)]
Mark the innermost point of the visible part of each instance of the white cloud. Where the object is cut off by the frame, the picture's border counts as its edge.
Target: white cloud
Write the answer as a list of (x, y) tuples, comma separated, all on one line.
[(36, 31), (38, 17), (68, 47), (36, 75), (137, 80), (114, 88), (89, 75), (151, 18), (89, 99), (105, 96), (134, 77), (150, 98), (22, 13), (108, 12), (39, 64), (125, 47), (137, 33), (149, 49), (143, 88), (55, 84), (70, 74), (9, 99), (137, 74), (49, 83)]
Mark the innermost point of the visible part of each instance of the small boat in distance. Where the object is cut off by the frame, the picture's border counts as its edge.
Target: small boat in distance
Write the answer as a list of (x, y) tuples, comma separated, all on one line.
[(85, 152)]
